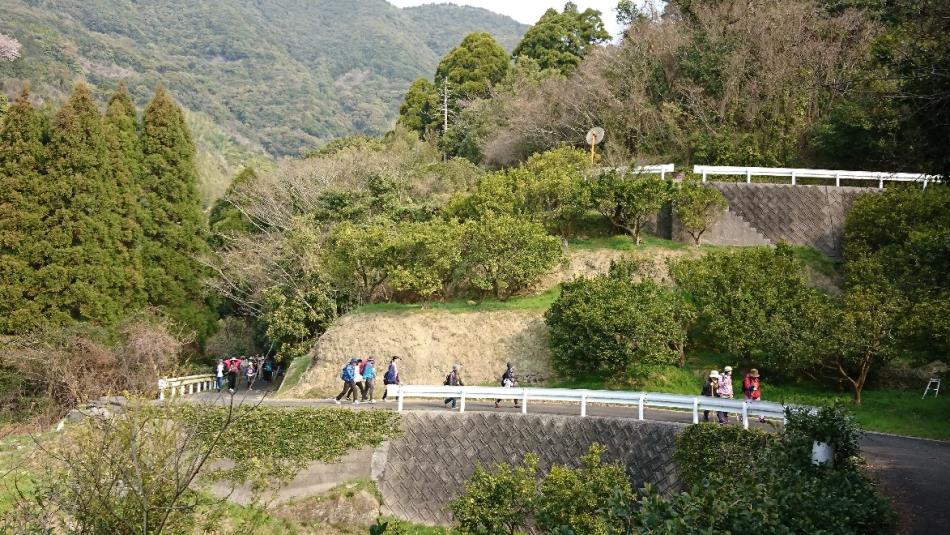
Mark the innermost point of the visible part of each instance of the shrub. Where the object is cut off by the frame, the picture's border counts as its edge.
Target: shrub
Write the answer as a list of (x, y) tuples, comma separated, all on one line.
[(831, 424), (629, 201), (705, 448), (608, 324), (697, 207), (502, 500)]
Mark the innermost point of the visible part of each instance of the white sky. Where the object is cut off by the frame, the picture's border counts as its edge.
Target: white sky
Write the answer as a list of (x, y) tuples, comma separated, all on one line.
[(529, 11)]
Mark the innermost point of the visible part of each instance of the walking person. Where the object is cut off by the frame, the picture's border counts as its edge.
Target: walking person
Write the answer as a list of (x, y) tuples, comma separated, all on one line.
[(358, 389), (454, 378), (391, 377), (752, 388), (219, 375), (251, 373), (369, 380), (508, 381), (233, 366), (268, 370), (725, 392), (711, 389), (347, 375)]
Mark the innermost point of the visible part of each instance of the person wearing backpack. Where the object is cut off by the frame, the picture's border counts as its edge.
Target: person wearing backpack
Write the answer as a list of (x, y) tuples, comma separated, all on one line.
[(454, 378), (359, 388), (725, 392), (752, 388), (268, 370), (711, 389), (369, 380), (508, 381), (233, 366), (391, 377), (251, 372), (347, 375)]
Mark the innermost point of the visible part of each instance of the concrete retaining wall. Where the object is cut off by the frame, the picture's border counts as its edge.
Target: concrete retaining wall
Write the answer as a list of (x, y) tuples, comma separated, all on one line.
[(423, 470), (798, 215)]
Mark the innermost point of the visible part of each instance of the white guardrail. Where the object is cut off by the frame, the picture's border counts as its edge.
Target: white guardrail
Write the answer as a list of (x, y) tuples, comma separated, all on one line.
[(185, 385), (641, 400), (662, 169), (795, 174)]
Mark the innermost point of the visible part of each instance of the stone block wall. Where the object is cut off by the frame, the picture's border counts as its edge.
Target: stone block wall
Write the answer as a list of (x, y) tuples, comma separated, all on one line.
[(419, 473), (797, 215)]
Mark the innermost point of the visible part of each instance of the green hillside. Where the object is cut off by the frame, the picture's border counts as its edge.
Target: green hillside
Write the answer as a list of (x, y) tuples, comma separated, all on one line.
[(276, 76)]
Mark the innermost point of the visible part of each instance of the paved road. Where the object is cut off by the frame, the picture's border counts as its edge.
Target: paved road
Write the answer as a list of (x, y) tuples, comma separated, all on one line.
[(914, 473)]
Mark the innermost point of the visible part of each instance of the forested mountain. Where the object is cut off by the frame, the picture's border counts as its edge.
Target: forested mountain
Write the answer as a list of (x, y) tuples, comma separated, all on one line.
[(280, 76)]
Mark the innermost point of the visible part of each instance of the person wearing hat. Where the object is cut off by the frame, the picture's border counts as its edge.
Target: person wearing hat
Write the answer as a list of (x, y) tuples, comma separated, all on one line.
[(391, 377), (369, 380), (711, 389), (752, 388), (348, 374), (508, 381), (725, 392)]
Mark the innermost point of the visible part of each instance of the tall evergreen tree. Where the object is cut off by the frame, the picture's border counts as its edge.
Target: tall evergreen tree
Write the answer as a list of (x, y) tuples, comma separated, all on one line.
[(125, 156), (173, 223), (21, 215), (83, 276), (473, 67)]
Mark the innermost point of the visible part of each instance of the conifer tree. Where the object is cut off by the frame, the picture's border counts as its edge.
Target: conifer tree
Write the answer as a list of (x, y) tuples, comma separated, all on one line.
[(83, 277), (125, 155), (21, 165), (174, 226)]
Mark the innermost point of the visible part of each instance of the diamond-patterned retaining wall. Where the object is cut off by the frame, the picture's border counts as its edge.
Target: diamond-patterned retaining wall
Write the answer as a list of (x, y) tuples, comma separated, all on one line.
[(423, 470), (798, 215)]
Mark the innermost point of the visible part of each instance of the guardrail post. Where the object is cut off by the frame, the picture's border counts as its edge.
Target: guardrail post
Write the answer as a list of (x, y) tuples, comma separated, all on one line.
[(584, 404), (524, 402), (641, 405), (881, 183), (695, 410), (704, 176), (793, 178), (399, 404), (837, 179), (462, 404), (748, 176), (745, 414)]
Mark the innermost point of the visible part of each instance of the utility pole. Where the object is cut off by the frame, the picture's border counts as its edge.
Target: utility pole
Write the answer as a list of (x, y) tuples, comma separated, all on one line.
[(445, 110)]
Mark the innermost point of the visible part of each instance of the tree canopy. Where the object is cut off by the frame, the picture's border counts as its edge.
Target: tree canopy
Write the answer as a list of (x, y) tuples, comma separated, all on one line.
[(561, 40)]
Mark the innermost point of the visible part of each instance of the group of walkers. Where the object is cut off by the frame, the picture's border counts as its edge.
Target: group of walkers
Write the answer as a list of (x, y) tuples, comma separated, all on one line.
[(359, 379), (719, 385), (251, 369)]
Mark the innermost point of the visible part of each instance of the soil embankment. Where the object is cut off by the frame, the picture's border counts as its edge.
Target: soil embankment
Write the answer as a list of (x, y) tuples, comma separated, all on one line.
[(429, 342)]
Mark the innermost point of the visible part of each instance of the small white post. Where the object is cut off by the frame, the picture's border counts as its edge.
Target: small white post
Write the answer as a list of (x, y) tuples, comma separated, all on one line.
[(524, 402), (182, 390), (462, 403), (837, 179), (399, 405), (642, 396), (745, 414), (583, 405), (695, 410), (191, 388), (161, 394), (704, 176), (662, 174), (748, 176), (793, 178), (881, 183), (925, 182)]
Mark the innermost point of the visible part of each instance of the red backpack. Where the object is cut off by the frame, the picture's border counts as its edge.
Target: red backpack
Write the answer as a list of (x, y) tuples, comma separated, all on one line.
[(234, 365)]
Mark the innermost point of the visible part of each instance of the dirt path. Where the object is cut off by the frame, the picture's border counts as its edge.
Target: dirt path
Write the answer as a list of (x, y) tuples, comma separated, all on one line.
[(913, 473)]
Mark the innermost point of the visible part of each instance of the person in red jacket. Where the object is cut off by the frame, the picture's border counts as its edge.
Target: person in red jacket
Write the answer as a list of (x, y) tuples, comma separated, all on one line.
[(752, 388)]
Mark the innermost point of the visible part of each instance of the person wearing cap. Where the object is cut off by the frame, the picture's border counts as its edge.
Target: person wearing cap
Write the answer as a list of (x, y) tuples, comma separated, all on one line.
[(369, 380), (391, 377), (725, 392), (454, 378), (752, 388), (711, 389), (508, 381), (348, 374)]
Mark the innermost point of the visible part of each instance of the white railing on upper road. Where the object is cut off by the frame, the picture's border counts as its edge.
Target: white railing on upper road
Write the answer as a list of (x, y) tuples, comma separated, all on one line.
[(828, 174), (641, 400), (181, 386), (662, 169)]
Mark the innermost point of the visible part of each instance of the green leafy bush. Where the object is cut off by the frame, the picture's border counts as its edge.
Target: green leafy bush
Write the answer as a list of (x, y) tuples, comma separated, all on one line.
[(498, 501), (831, 424), (609, 323), (705, 448)]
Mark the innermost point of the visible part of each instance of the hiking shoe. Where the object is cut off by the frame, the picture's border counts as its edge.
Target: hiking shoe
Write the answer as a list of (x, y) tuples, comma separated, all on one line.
[(373, 401), (356, 402), (336, 401), (496, 404)]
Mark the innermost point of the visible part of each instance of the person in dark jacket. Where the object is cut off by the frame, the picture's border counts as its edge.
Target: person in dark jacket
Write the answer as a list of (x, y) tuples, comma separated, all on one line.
[(508, 381), (711, 389), (454, 378), (391, 377), (347, 374)]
